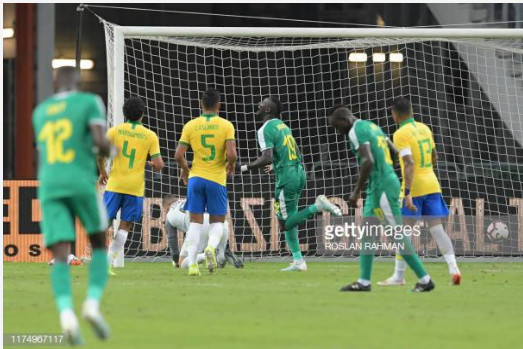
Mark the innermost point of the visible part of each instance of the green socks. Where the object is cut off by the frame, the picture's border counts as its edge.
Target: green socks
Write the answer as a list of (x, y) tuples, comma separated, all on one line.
[(291, 233), (97, 274), (61, 285), (366, 258), (299, 217), (291, 236), (411, 257)]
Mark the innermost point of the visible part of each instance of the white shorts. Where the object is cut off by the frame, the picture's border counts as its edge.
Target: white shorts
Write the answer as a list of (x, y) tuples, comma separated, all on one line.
[(180, 220)]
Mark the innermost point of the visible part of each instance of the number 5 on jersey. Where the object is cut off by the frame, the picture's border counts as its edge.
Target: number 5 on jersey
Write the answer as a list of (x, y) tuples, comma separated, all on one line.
[(211, 147)]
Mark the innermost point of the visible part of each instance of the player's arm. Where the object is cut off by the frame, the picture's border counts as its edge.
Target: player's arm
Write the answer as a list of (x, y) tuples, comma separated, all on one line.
[(434, 157), (231, 155), (179, 156), (156, 162), (263, 160), (102, 147), (408, 164), (266, 144), (100, 160), (394, 152), (367, 161), (405, 142)]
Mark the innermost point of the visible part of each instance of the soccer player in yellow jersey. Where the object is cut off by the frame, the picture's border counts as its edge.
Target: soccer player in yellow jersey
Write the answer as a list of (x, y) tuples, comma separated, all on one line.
[(211, 139), (422, 192), (126, 181)]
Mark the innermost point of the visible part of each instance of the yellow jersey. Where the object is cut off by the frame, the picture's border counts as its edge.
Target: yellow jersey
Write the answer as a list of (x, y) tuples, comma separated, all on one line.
[(415, 138), (206, 136), (134, 142)]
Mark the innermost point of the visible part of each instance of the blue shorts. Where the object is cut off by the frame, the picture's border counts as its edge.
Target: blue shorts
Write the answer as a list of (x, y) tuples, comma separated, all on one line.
[(131, 206), (206, 196), (430, 205)]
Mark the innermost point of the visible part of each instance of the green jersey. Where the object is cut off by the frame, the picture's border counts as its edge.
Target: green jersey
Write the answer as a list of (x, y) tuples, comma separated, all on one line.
[(367, 132), (67, 164), (278, 136)]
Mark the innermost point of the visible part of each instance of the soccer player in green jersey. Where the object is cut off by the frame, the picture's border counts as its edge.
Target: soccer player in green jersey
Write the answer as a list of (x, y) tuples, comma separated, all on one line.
[(371, 147), (278, 147), (70, 132)]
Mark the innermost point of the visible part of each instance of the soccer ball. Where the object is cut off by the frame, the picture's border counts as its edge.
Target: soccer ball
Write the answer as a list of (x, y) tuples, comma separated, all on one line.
[(497, 231)]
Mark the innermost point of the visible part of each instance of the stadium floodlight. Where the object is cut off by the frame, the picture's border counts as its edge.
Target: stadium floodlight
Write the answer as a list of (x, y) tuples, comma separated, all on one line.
[(169, 67), (8, 33), (396, 57), (85, 64), (378, 57), (357, 57)]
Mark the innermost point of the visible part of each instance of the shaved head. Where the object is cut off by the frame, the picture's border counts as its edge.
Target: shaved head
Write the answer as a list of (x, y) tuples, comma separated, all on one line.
[(66, 79), (270, 107), (341, 118)]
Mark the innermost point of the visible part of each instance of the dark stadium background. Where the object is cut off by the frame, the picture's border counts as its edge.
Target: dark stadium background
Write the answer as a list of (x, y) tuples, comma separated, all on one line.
[(44, 35)]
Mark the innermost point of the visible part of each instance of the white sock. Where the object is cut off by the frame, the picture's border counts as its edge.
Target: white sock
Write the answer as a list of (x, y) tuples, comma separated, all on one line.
[(364, 282), (399, 269), (192, 239), (70, 258), (200, 257), (425, 279), (299, 261), (215, 234), (116, 245), (451, 262), (185, 263), (445, 247)]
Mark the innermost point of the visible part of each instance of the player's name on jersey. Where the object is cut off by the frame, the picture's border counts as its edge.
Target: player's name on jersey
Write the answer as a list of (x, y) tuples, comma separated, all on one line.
[(210, 127), (56, 108), (132, 134)]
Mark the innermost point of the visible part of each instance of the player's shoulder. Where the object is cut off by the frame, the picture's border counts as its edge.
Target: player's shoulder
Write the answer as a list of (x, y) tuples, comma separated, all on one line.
[(422, 126), (225, 122), (192, 122), (147, 132), (270, 125), (401, 131), (87, 97), (364, 125)]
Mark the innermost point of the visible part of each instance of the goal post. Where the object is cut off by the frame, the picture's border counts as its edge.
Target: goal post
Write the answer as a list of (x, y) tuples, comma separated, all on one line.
[(465, 84)]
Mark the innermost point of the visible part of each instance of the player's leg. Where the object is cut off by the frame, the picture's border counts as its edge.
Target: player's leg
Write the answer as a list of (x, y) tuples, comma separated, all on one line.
[(389, 205), (294, 180), (217, 208), (366, 259), (434, 208), (112, 202), (59, 232), (195, 204), (91, 211), (222, 246), (400, 266), (286, 195), (183, 256), (286, 203), (172, 241), (131, 208), (215, 234)]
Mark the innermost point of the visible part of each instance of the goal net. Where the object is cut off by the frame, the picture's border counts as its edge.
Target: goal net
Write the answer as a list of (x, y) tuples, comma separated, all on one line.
[(468, 90)]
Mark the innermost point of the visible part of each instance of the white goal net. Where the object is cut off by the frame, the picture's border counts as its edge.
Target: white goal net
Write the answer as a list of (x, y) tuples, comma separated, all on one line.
[(469, 91)]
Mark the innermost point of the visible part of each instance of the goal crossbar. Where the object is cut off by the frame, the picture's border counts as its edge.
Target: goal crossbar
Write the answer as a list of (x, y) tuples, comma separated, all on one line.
[(490, 33)]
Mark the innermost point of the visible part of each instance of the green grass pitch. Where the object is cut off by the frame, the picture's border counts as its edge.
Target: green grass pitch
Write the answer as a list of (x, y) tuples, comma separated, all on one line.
[(151, 305)]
